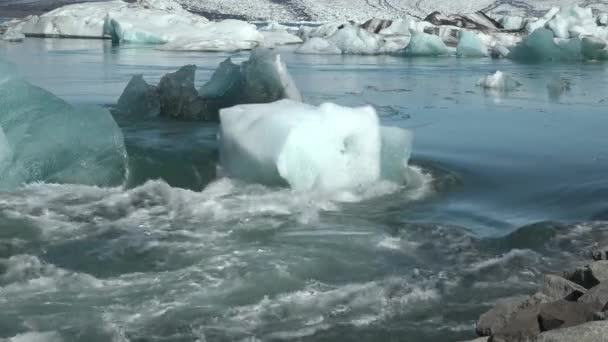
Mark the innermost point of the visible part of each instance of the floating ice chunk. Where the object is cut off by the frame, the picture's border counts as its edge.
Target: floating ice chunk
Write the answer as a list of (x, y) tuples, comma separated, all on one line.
[(541, 46), (49, 140), (541, 22), (498, 81), (276, 38), (309, 148), (317, 45), (323, 31), (78, 20), (139, 99), (593, 48), (470, 44), (263, 78), (512, 22), (266, 78), (13, 34), (424, 44), (351, 39), (226, 35), (572, 21), (602, 19), (274, 26)]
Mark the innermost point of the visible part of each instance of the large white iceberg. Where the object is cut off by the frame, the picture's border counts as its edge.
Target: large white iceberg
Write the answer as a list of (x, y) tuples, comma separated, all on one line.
[(151, 22), (42, 138), (323, 148)]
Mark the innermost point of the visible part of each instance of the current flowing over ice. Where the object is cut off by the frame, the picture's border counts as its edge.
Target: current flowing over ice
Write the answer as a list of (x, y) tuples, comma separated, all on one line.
[(323, 148)]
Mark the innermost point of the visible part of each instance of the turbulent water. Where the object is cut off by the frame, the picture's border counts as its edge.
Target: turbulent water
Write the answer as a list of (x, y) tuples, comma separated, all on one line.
[(510, 185)]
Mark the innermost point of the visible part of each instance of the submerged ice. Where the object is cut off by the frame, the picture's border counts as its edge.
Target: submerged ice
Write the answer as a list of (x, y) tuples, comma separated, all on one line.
[(274, 144), (43, 138)]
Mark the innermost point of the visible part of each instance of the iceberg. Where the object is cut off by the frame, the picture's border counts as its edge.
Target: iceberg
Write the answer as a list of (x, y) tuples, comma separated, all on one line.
[(513, 22), (424, 44), (571, 22), (263, 78), (310, 148), (470, 44), (162, 22), (350, 39), (317, 45), (498, 81), (542, 46), (43, 138), (593, 48), (13, 35)]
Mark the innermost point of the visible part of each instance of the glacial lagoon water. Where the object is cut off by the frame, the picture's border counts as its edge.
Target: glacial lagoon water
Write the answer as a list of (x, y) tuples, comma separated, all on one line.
[(515, 185)]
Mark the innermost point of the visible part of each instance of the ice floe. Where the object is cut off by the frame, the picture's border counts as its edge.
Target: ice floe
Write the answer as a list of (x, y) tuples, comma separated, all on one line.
[(271, 144), (498, 81)]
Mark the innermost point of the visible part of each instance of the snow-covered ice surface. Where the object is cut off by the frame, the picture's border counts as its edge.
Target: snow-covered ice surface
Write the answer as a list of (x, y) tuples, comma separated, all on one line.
[(362, 10), (324, 10)]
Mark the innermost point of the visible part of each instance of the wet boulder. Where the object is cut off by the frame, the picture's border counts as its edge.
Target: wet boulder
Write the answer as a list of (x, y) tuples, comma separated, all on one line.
[(522, 326), (558, 288), (590, 275), (597, 297), (563, 314), (588, 332), (600, 253), (497, 318)]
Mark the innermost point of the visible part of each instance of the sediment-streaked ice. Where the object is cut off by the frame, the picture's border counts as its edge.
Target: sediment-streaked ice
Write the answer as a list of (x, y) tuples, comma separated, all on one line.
[(322, 148)]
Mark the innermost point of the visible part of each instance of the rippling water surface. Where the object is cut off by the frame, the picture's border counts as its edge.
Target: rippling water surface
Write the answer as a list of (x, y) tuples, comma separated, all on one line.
[(508, 186)]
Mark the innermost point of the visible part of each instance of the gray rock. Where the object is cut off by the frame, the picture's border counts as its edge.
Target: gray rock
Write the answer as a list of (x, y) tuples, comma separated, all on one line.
[(497, 318), (522, 326), (588, 332), (139, 99), (558, 288), (597, 297), (179, 98), (563, 314), (590, 275), (600, 253)]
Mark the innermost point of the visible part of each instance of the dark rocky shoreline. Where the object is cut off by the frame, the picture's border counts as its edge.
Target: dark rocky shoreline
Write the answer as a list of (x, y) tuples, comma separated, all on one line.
[(569, 307)]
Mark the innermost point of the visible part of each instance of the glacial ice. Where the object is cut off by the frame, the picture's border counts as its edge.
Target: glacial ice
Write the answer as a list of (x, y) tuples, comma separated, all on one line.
[(350, 39), (13, 34), (317, 45), (572, 21), (263, 78), (512, 22), (152, 22), (46, 139), (498, 81), (424, 44), (321, 148), (471, 45), (542, 46)]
